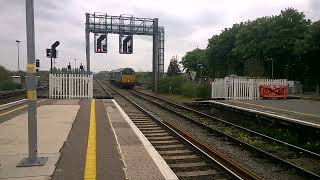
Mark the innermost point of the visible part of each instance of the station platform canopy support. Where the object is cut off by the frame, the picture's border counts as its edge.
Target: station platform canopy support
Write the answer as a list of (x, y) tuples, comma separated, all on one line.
[(126, 25)]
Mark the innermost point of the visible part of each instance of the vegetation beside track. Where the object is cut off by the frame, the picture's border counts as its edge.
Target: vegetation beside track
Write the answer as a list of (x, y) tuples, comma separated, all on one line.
[(6, 82), (177, 86)]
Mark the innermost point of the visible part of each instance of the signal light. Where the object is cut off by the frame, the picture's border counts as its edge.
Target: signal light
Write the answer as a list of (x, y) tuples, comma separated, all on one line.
[(125, 44), (100, 43)]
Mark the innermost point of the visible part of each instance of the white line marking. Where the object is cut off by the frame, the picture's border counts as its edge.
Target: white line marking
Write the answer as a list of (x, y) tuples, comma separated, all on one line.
[(18, 108), (4, 106), (258, 105), (269, 114), (160, 162)]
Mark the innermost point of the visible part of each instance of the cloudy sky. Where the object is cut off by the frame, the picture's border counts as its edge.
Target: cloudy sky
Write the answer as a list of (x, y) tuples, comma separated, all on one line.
[(187, 23)]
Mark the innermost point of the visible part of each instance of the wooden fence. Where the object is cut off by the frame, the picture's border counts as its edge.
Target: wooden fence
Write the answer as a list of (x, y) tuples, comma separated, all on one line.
[(70, 86)]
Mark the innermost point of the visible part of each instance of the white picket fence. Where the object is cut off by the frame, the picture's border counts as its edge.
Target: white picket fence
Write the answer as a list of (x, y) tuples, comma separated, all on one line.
[(70, 86), (241, 88)]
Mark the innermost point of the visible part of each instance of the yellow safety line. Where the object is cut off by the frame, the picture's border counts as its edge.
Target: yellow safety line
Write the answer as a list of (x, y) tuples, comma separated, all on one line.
[(90, 167), (18, 108), (306, 114)]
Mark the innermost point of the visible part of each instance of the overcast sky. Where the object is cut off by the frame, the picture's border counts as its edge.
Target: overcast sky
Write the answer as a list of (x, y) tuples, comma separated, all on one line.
[(187, 23)]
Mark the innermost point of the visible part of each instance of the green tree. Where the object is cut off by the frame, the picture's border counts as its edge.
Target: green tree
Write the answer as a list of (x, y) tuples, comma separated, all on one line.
[(4, 74), (222, 61), (192, 60), (277, 38), (310, 50), (289, 40), (290, 29), (173, 68)]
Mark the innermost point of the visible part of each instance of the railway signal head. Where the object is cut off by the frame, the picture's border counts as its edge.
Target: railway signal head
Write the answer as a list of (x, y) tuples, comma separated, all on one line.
[(48, 52), (37, 63), (100, 43), (54, 53), (125, 44), (55, 44)]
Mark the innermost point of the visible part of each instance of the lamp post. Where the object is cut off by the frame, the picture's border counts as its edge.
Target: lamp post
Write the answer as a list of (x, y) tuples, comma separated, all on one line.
[(75, 64), (18, 41)]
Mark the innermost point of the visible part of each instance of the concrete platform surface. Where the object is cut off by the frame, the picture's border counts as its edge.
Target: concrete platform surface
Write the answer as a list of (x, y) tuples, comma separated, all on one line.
[(119, 152), (141, 159), (54, 124), (305, 112)]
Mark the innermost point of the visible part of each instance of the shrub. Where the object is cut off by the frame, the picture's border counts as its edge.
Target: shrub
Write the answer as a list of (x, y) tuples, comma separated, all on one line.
[(171, 84), (4, 74), (144, 78), (203, 90), (9, 85), (187, 89)]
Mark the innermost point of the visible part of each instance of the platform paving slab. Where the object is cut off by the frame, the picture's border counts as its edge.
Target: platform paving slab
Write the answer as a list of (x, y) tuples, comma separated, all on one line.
[(142, 161), (73, 156), (54, 124)]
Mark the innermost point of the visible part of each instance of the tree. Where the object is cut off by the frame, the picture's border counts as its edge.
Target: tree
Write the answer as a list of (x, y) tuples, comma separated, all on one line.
[(310, 54), (221, 59), (192, 60), (277, 38), (4, 74), (173, 68), (289, 40)]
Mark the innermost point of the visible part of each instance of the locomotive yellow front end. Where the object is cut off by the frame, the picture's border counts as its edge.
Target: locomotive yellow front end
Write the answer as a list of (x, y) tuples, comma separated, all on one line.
[(128, 80)]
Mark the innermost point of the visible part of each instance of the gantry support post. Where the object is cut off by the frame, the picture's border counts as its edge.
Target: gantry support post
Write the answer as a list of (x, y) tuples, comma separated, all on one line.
[(155, 56), (87, 42)]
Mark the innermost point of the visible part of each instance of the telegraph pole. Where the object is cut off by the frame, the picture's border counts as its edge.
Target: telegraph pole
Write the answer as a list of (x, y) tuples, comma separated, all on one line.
[(33, 159)]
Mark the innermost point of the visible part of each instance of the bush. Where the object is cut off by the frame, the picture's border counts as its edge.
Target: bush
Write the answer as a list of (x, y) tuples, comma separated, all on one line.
[(4, 74), (171, 84), (203, 90), (180, 85), (187, 89), (144, 78), (9, 85)]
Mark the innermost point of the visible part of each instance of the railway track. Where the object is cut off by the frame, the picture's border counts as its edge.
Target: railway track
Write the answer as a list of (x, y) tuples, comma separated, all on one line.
[(99, 92), (188, 157), (303, 161), (12, 96), (8, 94)]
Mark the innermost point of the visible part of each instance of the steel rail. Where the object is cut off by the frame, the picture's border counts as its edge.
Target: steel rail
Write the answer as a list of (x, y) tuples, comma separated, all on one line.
[(108, 94), (231, 124), (224, 161), (9, 94), (250, 147)]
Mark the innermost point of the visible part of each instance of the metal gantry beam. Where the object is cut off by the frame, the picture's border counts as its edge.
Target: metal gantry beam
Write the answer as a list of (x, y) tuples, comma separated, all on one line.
[(129, 25)]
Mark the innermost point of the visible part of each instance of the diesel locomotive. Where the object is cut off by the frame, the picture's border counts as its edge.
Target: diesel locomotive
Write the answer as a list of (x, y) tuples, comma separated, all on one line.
[(123, 77)]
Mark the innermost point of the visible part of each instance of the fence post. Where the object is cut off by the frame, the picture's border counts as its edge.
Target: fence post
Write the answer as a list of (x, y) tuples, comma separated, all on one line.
[(50, 90)]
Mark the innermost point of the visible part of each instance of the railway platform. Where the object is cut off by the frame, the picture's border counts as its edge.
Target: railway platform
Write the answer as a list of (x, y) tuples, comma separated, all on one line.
[(304, 112), (83, 139)]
